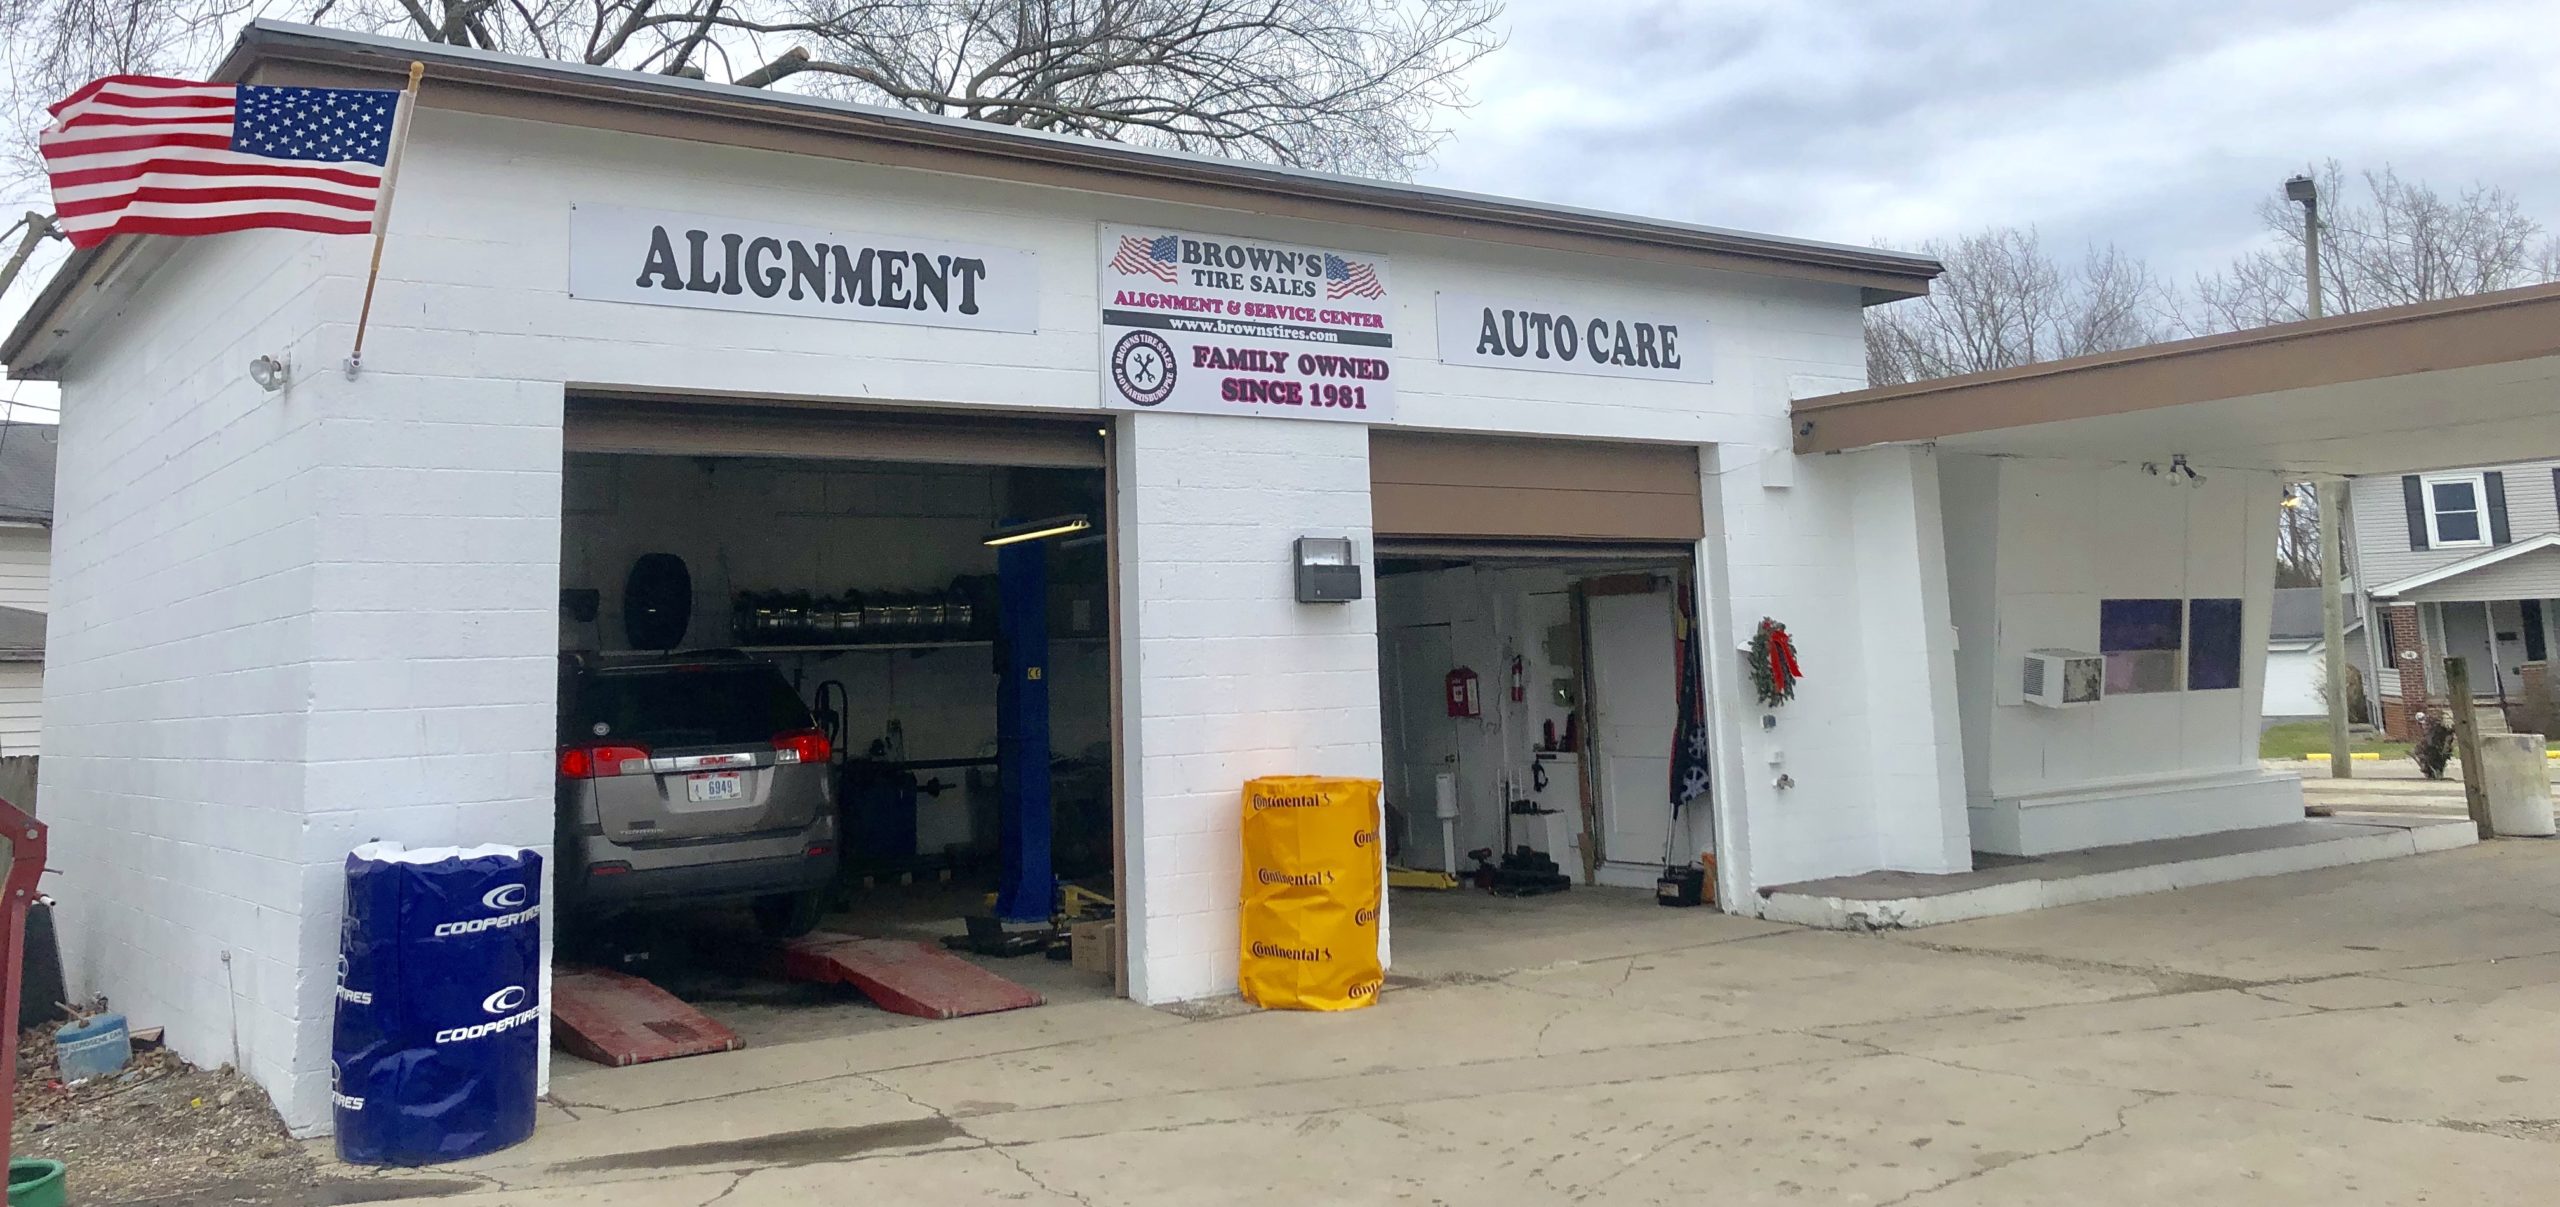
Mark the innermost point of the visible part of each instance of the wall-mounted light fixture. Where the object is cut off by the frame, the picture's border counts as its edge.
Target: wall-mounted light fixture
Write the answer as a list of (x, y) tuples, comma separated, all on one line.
[(270, 373), (1059, 525), (1326, 571)]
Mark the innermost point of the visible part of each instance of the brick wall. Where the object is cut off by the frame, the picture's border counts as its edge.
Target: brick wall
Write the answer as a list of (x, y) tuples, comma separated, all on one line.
[(2405, 647)]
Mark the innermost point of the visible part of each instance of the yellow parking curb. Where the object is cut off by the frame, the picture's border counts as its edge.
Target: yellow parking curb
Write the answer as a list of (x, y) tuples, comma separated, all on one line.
[(2361, 756)]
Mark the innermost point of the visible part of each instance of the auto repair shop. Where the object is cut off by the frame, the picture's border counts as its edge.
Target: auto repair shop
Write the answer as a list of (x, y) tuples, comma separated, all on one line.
[(1251, 471)]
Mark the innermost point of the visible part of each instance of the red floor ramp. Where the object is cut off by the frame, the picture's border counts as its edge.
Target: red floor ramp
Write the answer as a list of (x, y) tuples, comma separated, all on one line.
[(902, 977), (618, 1020)]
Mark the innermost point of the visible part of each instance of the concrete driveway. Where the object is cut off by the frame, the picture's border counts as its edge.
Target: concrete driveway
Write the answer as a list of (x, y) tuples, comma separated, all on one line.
[(2382, 1033)]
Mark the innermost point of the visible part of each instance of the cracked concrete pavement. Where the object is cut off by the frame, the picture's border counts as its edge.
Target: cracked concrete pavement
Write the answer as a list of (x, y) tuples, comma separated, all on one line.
[(2383, 1033)]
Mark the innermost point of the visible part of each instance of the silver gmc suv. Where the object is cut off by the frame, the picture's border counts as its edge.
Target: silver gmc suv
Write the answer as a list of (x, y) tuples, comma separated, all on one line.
[(692, 779)]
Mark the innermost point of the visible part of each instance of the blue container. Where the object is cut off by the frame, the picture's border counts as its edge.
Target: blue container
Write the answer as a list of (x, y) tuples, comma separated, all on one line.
[(439, 1022), (97, 1048)]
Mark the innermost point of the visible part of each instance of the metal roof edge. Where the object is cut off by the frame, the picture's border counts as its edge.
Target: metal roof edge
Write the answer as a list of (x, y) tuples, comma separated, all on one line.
[(280, 39), (1890, 275)]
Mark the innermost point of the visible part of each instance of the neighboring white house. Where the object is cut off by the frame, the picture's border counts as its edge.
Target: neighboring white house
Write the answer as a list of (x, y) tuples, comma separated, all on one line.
[(2460, 562), (26, 562), (2295, 659)]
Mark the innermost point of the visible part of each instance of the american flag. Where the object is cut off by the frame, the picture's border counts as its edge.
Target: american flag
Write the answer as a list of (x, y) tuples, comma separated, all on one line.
[(132, 154), (1148, 257), (1346, 277)]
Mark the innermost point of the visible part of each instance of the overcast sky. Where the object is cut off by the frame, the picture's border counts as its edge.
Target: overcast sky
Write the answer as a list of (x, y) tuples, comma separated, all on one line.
[(2155, 124)]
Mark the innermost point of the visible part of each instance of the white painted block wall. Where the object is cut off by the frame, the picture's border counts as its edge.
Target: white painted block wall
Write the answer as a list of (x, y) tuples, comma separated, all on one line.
[(176, 775), (1226, 676), (1824, 546), (2036, 544)]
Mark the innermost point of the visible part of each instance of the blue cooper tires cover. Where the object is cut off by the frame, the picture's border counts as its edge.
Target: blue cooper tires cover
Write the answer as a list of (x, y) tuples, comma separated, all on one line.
[(436, 1050)]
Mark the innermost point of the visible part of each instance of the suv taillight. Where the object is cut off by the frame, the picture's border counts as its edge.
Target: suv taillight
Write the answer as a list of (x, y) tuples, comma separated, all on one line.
[(599, 760), (802, 746)]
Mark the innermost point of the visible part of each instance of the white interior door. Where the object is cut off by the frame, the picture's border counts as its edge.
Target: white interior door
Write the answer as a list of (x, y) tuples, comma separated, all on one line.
[(1421, 739), (1635, 706)]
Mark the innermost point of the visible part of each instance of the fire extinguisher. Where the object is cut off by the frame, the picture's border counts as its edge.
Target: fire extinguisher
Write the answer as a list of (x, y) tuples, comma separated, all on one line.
[(1463, 701), (1519, 680)]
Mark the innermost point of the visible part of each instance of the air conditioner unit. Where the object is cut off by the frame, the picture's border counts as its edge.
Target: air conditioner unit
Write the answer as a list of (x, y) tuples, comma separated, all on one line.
[(2063, 678)]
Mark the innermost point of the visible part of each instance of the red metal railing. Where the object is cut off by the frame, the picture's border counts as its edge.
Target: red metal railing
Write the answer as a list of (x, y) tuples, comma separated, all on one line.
[(22, 856)]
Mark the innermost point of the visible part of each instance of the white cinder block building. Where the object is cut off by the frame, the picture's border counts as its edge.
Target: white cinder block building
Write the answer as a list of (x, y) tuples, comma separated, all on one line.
[(816, 348)]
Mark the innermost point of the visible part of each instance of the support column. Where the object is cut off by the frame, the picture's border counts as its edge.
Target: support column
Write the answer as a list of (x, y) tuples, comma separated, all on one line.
[(1027, 881), (1224, 675)]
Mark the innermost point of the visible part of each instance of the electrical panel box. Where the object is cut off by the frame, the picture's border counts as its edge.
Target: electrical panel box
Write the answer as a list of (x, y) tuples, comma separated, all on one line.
[(2063, 678)]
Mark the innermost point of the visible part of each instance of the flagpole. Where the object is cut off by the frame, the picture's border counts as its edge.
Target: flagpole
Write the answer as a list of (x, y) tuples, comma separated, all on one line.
[(382, 212)]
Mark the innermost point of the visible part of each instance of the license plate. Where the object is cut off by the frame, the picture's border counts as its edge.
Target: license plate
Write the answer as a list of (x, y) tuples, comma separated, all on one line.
[(715, 785)]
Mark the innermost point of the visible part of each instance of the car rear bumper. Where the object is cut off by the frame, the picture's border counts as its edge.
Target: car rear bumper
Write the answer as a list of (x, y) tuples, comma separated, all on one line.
[(704, 883)]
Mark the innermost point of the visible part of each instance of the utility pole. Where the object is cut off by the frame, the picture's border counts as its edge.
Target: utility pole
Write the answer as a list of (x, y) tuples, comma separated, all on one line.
[(37, 227), (2303, 191)]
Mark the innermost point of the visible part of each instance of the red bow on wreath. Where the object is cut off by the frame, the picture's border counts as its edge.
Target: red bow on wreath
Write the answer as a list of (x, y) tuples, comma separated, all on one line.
[(1774, 670)]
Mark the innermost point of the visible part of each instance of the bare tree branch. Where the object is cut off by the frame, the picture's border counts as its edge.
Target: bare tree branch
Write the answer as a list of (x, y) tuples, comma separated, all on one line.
[(2004, 302), (1347, 85), (2389, 242)]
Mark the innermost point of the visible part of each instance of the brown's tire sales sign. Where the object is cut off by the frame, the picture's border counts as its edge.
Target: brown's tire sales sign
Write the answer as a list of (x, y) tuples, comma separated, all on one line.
[(1223, 325)]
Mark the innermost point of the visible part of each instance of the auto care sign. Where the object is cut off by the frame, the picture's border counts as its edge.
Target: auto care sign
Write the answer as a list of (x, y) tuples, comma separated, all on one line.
[(1546, 335), (1216, 325)]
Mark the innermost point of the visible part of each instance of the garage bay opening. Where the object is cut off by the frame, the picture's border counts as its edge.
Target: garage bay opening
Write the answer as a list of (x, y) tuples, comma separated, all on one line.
[(835, 729), (1545, 732)]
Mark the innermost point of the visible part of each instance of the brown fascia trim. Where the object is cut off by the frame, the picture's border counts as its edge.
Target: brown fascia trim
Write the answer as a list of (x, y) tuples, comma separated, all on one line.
[(2455, 333)]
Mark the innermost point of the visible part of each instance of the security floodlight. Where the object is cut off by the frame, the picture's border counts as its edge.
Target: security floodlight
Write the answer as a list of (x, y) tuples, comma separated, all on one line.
[(268, 372), (2302, 190)]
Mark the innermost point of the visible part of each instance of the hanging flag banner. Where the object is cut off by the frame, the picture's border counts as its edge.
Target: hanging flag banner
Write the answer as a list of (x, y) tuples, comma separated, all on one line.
[(148, 155), (1215, 325)]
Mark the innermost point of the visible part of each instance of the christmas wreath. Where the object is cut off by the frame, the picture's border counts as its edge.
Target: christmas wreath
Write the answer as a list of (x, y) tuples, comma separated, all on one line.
[(1773, 664)]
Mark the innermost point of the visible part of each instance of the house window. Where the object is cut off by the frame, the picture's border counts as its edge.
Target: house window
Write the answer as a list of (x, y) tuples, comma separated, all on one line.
[(2454, 511), (2141, 639)]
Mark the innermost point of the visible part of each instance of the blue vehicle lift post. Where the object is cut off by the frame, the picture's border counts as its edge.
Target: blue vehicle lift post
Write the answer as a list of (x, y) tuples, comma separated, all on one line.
[(1027, 880)]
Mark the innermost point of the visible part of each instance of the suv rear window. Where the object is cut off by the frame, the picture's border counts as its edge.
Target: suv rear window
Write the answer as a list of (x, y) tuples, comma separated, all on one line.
[(685, 706)]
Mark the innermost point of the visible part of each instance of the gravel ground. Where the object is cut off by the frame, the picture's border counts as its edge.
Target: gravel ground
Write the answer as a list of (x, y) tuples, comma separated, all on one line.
[(162, 1131)]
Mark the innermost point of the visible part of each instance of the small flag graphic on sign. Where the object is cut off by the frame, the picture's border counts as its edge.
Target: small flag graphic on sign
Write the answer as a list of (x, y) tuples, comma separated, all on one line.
[(133, 154), (1148, 257), (1346, 278)]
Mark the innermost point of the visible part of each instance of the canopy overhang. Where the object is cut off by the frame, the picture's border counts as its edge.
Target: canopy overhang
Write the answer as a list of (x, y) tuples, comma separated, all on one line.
[(2464, 381)]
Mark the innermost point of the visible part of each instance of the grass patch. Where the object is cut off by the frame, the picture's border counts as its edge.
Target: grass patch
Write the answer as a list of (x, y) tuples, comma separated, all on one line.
[(2298, 739)]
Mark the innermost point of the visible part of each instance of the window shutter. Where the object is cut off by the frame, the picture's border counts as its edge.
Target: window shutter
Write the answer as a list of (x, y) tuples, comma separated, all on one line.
[(2415, 495), (2495, 485)]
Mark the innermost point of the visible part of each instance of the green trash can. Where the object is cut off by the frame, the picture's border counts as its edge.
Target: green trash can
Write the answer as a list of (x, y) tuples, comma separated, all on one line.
[(36, 1183)]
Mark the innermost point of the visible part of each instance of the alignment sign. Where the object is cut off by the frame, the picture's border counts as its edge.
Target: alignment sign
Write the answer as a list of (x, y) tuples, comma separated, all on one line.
[(1216, 325)]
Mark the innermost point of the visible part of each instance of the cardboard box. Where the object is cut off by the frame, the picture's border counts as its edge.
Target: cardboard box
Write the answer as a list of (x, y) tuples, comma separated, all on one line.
[(1095, 945)]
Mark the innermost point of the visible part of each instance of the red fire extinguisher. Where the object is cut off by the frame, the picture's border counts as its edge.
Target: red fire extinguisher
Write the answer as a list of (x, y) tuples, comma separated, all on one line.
[(1463, 700)]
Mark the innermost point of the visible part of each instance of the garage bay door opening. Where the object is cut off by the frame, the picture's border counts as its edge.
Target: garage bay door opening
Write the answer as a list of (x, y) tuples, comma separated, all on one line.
[(1543, 747), (860, 693)]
